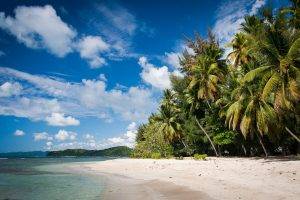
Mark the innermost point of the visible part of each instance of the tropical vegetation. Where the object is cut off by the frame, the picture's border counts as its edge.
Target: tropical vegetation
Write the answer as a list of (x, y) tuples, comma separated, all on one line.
[(245, 103)]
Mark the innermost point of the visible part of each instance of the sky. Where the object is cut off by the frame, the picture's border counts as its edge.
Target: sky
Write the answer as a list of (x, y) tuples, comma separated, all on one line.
[(85, 74)]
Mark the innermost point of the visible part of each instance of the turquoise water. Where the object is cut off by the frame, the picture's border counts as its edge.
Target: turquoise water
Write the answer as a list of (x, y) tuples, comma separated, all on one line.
[(45, 178)]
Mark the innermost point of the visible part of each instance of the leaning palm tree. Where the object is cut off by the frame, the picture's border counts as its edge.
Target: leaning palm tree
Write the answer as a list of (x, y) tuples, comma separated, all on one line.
[(205, 71), (252, 115), (192, 107), (276, 48)]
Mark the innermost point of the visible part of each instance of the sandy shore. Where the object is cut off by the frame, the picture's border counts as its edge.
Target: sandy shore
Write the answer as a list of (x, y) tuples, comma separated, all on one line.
[(215, 178)]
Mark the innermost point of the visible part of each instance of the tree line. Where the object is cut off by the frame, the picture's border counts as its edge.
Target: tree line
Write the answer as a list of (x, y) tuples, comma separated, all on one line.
[(242, 104)]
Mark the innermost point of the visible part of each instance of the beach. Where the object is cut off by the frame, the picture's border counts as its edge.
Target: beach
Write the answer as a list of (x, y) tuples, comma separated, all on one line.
[(214, 178)]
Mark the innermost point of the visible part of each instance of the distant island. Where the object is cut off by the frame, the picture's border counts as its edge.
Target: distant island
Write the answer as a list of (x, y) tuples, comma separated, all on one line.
[(119, 151)]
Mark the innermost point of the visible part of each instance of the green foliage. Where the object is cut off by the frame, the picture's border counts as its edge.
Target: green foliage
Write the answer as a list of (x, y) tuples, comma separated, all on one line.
[(239, 106), (200, 156), (225, 138), (153, 145), (155, 155), (120, 151)]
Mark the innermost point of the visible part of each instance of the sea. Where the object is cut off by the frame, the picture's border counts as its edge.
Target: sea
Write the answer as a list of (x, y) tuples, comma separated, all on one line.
[(47, 179)]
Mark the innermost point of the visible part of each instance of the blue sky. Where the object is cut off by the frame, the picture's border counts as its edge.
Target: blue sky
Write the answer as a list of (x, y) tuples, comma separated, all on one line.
[(85, 74)]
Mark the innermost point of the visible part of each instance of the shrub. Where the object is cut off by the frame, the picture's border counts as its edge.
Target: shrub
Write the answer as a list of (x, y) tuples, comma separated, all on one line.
[(154, 145), (200, 156), (156, 156)]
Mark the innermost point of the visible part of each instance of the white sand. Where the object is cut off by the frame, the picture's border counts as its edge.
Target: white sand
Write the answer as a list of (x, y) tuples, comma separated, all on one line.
[(218, 178)]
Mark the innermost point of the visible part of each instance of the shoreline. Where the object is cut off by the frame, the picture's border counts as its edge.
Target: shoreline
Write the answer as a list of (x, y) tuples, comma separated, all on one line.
[(129, 188), (215, 178)]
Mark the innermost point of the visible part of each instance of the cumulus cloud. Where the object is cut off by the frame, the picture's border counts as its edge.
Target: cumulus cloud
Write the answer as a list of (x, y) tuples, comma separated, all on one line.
[(42, 136), (8, 89), (127, 139), (158, 77), (49, 145), (34, 108), (88, 137), (19, 133), (63, 135), (172, 59), (68, 140), (59, 119), (39, 27), (88, 98), (132, 126), (90, 48), (230, 15)]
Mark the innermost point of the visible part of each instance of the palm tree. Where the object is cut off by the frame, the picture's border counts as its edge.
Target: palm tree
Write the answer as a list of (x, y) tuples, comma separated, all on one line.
[(252, 115), (169, 123), (276, 48), (193, 107), (205, 71), (239, 54)]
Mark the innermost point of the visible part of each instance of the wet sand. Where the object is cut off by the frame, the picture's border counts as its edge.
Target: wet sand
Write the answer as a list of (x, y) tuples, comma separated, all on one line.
[(120, 187)]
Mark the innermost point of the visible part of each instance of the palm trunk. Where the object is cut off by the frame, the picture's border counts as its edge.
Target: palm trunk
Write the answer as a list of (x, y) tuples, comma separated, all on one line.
[(212, 144), (292, 134), (244, 149), (185, 146), (262, 144)]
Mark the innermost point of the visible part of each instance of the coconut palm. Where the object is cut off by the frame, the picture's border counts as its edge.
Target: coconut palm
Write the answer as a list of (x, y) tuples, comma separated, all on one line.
[(205, 71), (239, 54), (169, 123), (277, 50), (252, 115)]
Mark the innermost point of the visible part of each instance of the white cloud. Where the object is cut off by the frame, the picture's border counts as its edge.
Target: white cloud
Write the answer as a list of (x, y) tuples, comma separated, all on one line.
[(59, 119), (119, 26), (88, 137), (49, 144), (32, 108), (127, 139), (8, 89), (158, 77), (67, 140), (102, 77), (172, 59), (120, 18), (90, 48), (89, 98), (39, 27), (256, 6), (230, 15), (132, 126), (63, 135), (41, 136), (19, 133)]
